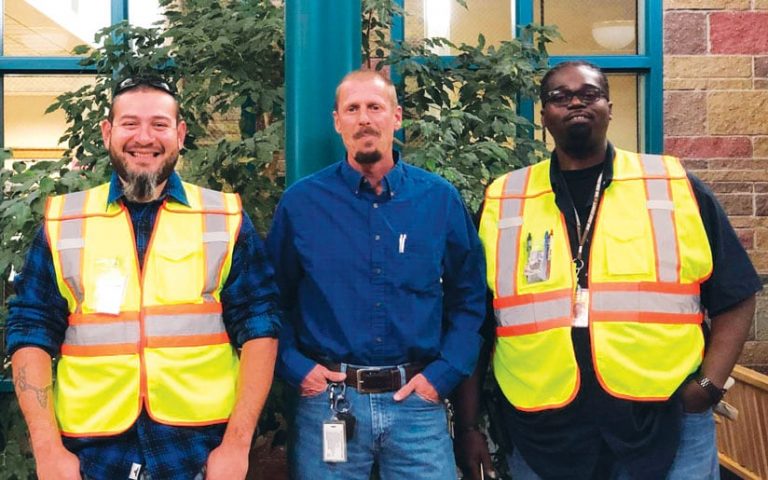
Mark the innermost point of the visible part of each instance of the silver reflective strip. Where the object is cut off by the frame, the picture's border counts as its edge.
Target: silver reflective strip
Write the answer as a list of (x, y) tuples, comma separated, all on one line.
[(215, 247), (215, 236), (212, 200), (71, 233), (74, 203), (660, 205), (183, 324), (653, 302), (510, 222), (506, 253), (662, 220), (653, 164), (534, 312), (70, 243), (102, 334)]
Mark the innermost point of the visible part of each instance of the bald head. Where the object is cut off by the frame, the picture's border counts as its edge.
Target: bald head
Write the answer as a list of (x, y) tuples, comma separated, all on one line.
[(366, 75)]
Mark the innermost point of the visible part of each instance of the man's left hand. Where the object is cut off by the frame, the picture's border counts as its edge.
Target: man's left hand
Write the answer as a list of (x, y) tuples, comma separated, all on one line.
[(421, 386), (695, 399), (227, 463)]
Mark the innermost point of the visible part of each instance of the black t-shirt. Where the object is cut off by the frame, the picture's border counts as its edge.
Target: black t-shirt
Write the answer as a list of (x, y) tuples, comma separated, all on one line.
[(583, 439)]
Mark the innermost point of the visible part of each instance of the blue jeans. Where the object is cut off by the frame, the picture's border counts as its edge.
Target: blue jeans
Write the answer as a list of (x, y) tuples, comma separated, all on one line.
[(696, 456), (408, 439)]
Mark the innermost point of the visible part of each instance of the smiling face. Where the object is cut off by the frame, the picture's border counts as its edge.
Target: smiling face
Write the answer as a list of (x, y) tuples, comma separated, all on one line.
[(143, 139), (366, 117), (578, 128)]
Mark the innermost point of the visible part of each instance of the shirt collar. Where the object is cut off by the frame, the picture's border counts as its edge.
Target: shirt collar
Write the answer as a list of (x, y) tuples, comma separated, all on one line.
[(391, 183), (173, 188), (556, 176)]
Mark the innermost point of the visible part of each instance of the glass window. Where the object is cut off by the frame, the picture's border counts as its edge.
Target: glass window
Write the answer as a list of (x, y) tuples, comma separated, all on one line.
[(144, 13), (606, 27), (51, 28), (626, 122), (495, 19), (30, 133)]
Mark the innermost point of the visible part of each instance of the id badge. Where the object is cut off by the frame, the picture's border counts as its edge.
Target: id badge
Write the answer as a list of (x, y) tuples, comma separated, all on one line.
[(334, 441), (110, 286), (581, 308)]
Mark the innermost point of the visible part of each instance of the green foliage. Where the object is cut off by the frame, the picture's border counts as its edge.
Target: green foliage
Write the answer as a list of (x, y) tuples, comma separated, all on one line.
[(226, 58), (16, 462)]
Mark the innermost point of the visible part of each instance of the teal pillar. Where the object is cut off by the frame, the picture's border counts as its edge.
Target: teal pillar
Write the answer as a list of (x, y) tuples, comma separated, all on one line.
[(322, 44)]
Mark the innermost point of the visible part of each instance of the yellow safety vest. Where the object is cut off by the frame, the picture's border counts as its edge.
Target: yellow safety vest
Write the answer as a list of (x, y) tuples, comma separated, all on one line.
[(150, 336), (648, 257)]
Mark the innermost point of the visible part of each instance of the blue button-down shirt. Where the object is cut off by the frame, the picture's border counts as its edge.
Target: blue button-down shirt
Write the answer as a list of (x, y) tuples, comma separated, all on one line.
[(38, 317), (377, 280)]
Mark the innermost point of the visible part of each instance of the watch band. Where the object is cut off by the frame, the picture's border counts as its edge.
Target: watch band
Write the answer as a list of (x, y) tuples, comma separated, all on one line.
[(715, 393)]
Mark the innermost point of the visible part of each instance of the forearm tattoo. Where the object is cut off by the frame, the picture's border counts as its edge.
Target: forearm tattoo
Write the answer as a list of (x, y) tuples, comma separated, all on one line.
[(22, 385)]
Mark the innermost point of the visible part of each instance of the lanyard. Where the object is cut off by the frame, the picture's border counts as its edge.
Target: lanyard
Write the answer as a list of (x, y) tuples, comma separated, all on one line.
[(582, 234)]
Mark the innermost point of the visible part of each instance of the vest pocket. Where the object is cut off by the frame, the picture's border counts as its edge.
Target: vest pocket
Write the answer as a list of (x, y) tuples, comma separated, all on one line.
[(177, 273), (626, 253)]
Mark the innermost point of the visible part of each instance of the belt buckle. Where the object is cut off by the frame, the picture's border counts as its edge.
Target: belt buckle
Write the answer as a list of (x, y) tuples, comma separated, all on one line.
[(362, 372)]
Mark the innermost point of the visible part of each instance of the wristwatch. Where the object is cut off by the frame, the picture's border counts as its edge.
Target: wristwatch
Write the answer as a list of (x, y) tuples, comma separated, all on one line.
[(715, 393)]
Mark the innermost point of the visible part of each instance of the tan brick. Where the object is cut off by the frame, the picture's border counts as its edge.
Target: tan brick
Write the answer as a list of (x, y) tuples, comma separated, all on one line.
[(760, 261), (706, 4), (711, 176), (708, 84), (761, 206), (693, 66), (746, 237), (685, 113), (761, 188), (732, 187), (743, 113), (760, 147), (755, 355), (761, 4), (737, 204), (761, 84), (737, 164)]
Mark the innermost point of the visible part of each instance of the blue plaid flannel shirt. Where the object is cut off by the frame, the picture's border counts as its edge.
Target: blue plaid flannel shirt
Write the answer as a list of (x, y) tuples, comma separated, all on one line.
[(38, 317)]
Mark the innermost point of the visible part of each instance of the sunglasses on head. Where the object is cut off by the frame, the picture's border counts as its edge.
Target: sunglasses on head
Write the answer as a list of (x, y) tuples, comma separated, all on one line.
[(154, 82)]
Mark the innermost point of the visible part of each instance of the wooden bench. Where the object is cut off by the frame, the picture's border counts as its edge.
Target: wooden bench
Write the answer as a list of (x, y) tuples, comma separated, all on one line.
[(743, 444)]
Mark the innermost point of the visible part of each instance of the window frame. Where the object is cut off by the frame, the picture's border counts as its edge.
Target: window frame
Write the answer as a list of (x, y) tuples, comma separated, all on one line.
[(44, 65), (649, 66)]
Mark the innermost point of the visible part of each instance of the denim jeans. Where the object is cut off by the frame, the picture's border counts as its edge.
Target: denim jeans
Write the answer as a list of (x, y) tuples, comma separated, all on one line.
[(408, 439), (696, 456)]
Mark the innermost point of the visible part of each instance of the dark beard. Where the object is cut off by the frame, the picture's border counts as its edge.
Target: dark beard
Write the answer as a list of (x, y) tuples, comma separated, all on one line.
[(368, 158), (140, 187), (578, 141)]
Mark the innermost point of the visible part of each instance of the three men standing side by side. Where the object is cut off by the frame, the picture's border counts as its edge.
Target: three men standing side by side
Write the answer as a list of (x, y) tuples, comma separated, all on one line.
[(381, 273), (602, 264), (143, 288)]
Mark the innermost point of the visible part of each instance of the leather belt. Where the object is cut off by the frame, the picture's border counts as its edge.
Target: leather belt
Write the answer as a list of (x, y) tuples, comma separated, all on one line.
[(378, 379)]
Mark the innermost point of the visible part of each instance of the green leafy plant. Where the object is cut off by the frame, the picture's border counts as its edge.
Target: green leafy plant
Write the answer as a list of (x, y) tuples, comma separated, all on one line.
[(226, 59)]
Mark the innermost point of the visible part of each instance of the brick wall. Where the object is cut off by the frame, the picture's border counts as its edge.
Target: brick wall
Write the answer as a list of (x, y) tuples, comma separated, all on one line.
[(716, 119)]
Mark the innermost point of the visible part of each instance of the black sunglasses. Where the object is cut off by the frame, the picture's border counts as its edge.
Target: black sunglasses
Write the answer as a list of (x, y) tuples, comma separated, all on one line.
[(154, 82), (563, 98)]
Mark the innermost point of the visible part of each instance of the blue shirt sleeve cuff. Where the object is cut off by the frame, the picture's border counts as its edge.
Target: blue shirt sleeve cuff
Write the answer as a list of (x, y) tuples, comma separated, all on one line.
[(443, 377), (292, 366), (258, 326)]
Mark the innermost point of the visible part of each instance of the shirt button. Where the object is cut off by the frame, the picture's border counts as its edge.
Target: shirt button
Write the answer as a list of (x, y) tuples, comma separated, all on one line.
[(377, 237), (377, 271), (378, 304), (375, 205), (378, 339)]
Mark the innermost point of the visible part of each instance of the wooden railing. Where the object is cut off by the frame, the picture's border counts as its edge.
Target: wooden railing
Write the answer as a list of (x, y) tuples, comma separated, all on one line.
[(743, 443)]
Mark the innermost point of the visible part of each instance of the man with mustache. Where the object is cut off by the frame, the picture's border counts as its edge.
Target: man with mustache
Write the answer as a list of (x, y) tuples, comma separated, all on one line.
[(380, 273), (144, 289), (603, 264)]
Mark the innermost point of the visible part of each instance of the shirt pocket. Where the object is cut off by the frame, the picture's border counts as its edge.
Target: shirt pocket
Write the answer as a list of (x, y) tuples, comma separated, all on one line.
[(419, 267)]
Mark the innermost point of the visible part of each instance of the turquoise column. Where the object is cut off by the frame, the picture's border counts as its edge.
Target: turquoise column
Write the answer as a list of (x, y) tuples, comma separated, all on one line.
[(322, 44)]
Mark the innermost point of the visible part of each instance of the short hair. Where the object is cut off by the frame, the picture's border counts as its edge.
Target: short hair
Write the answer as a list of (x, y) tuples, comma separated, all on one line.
[(544, 87), (143, 84), (369, 75)]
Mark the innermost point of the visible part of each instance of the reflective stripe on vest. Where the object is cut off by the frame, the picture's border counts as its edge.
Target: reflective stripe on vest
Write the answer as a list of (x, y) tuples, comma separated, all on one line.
[(167, 348), (635, 295)]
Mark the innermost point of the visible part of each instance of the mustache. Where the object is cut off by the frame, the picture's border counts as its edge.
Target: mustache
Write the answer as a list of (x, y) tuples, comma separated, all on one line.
[(366, 131)]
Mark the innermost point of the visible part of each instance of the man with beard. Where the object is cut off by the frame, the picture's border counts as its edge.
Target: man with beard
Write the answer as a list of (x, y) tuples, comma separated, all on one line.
[(380, 272), (603, 264), (144, 289)]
